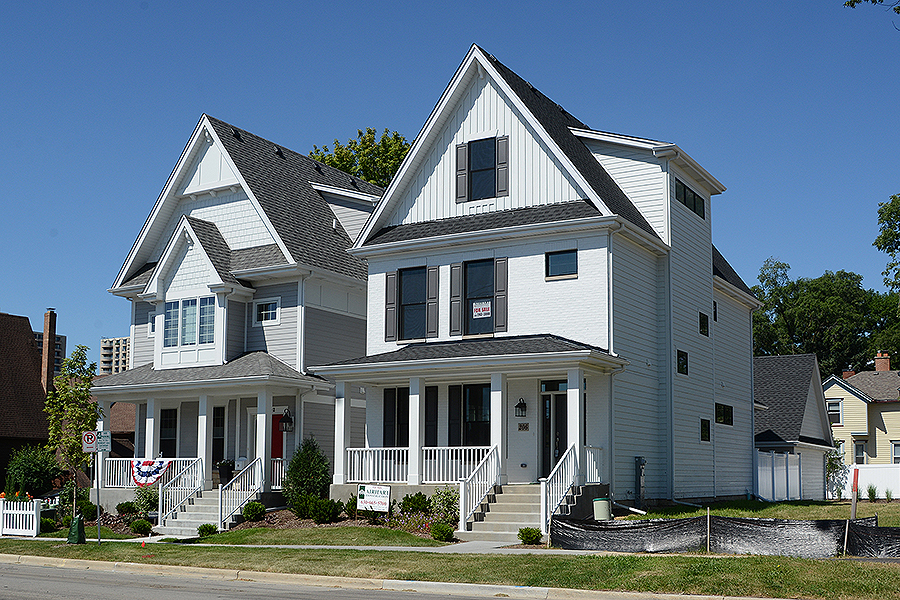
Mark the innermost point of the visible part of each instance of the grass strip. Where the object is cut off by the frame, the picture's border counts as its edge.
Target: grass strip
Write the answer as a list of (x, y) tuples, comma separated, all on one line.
[(325, 536), (729, 576)]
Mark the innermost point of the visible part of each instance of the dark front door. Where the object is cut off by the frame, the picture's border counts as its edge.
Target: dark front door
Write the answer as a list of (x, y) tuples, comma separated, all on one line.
[(553, 430)]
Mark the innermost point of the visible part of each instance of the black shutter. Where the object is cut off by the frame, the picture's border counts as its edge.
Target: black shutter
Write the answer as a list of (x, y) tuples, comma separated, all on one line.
[(503, 166), (500, 297), (456, 308), (431, 410), (390, 306), (462, 172), (431, 299), (454, 421), (389, 419)]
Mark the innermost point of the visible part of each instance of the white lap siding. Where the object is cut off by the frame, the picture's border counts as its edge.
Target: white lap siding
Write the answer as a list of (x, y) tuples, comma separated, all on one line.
[(142, 343)]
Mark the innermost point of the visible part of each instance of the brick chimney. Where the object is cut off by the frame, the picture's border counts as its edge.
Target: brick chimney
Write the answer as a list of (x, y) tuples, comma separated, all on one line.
[(48, 350), (848, 373), (882, 361)]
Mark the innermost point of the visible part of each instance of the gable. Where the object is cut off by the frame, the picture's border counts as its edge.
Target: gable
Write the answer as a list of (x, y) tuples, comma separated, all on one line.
[(190, 270), (209, 170)]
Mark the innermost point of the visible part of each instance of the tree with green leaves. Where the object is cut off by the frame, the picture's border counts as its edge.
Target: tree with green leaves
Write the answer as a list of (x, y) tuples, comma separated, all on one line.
[(70, 410), (894, 6), (370, 159), (888, 240)]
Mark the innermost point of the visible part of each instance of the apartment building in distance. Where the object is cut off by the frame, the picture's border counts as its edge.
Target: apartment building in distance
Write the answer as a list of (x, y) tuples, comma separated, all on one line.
[(114, 354)]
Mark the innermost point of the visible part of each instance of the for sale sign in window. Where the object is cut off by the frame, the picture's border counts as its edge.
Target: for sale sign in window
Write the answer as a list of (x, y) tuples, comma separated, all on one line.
[(481, 310)]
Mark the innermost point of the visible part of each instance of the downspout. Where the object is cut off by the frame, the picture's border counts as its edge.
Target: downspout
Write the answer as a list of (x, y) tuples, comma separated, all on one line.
[(609, 329), (670, 345), (301, 325)]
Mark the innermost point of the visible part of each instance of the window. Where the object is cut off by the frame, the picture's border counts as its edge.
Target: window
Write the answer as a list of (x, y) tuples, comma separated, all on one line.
[(181, 322), (168, 432), (395, 419), (724, 414), (835, 414), (682, 362), (690, 198), (218, 434), (412, 283), (266, 311), (895, 453), (482, 169), (859, 453), (469, 418), (479, 297), (715, 311), (704, 324), (562, 264), (704, 430)]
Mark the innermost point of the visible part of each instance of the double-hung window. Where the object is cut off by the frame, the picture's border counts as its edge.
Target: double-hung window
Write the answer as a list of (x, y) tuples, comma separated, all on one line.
[(412, 303), (482, 169), (189, 322), (479, 283), (478, 297), (835, 416)]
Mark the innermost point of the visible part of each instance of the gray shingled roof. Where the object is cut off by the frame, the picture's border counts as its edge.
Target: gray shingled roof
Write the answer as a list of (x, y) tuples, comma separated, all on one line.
[(215, 246), (722, 269), (881, 386), (253, 364), (782, 383), (501, 346)]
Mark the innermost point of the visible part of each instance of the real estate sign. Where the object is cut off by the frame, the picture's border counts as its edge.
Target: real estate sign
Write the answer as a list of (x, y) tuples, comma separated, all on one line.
[(373, 497)]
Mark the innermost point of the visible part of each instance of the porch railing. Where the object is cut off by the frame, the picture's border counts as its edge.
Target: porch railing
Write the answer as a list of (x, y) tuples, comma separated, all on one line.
[(377, 465), (450, 464), (180, 489), (474, 488), (117, 471), (20, 518), (237, 492), (278, 466), (556, 486), (593, 460)]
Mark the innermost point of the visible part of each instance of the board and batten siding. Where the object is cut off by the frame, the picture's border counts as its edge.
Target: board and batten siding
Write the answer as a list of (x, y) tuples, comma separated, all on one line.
[(640, 176), (638, 428), (734, 446), (332, 337), (535, 176), (279, 340), (142, 344)]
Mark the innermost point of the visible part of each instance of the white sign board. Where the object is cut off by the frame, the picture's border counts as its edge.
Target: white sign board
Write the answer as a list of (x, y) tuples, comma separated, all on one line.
[(104, 441), (89, 441), (481, 310), (373, 497)]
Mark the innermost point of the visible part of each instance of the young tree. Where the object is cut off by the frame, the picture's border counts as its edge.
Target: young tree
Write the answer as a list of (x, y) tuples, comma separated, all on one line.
[(70, 411), (888, 240), (370, 159)]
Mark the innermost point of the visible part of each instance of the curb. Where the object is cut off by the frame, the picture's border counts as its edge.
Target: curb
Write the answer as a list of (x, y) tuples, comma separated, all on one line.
[(356, 583)]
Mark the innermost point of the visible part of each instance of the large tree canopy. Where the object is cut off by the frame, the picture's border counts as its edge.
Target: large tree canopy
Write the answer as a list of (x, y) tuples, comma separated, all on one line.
[(888, 240), (370, 159), (831, 316)]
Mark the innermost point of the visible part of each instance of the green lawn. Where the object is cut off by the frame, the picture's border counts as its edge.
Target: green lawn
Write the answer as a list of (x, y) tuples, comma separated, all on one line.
[(325, 536), (90, 533), (888, 512), (731, 576)]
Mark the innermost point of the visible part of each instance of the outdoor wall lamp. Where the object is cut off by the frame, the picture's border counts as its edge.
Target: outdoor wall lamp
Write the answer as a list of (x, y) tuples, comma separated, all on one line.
[(286, 423), (521, 408)]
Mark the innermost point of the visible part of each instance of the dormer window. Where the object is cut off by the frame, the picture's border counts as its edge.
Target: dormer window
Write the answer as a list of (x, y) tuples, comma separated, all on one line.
[(482, 169), (189, 321), (267, 312)]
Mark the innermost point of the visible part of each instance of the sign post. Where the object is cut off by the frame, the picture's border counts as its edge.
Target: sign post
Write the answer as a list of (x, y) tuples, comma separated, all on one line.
[(96, 442)]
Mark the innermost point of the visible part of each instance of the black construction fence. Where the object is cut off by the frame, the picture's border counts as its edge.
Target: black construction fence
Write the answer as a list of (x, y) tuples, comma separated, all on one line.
[(730, 535)]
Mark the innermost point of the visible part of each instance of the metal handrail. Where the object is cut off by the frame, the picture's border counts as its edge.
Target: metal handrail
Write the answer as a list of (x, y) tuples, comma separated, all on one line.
[(180, 489), (240, 490)]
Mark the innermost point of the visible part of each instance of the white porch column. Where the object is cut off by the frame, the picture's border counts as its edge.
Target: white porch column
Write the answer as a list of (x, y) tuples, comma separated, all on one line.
[(151, 433), (341, 431), (416, 429), (103, 424), (264, 435), (575, 420), (204, 440), (498, 420)]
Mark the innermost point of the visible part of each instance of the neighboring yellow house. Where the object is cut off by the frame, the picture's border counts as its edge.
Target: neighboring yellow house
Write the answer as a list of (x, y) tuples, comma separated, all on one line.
[(864, 410)]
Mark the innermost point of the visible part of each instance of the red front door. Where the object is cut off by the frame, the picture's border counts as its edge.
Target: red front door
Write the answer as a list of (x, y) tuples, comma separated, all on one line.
[(277, 438)]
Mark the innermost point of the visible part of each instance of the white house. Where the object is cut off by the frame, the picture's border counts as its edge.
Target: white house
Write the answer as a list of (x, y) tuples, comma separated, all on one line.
[(238, 280), (545, 296)]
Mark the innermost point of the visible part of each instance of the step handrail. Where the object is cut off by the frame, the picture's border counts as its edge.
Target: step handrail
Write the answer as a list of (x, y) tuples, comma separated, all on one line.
[(241, 489), (555, 487), (179, 490), (474, 488)]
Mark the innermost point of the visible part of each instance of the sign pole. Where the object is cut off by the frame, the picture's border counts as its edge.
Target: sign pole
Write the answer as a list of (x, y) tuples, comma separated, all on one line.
[(854, 492), (97, 476)]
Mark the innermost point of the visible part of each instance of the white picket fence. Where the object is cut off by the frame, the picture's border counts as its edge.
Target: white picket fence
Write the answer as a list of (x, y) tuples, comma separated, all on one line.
[(778, 476), (20, 518), (883, 477)]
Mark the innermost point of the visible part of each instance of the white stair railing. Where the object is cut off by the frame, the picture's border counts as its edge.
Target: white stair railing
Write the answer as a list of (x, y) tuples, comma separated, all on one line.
[(240, 490), (556, 486), (449, 464), (278, 466), (474, 488), (377, 465), (180, 489)]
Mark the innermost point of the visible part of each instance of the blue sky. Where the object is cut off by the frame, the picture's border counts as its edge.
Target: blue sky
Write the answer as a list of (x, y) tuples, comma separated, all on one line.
[(791, 105)]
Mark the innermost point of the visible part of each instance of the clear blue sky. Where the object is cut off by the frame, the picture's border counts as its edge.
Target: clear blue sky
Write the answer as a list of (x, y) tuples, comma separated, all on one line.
[(791, 105)]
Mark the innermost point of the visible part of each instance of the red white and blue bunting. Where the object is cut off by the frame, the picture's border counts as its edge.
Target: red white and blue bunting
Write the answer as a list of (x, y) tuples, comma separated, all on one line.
[(148, 472)]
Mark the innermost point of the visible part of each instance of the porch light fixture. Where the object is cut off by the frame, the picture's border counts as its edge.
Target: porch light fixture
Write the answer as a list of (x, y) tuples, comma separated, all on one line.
[(287, 423), (521, 408)]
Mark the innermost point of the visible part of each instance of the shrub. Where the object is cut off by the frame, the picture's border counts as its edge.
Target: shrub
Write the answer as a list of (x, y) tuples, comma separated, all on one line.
[(350, 506), (207, 529), (888, 495), (301, 505), (445, 505), (64, 508), (141, 527), (147, 498), (88, 511), (47, 525), (872, 492), (413, 522), (530, 536), (442, 532), (253, 511), (67, 521), (127, 508), (325, 511), (417, 502), (307, 474), (32, 468)]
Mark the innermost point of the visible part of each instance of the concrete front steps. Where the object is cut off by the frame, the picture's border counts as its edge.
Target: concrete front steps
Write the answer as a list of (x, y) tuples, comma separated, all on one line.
[(191, 515), (510, 508)]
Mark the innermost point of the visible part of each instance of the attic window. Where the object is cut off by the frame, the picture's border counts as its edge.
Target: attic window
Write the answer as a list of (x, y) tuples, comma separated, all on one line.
[(482, 169), (690, 198)]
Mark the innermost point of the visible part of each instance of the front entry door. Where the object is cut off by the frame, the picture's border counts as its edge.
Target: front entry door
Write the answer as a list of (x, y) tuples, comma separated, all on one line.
[(553, 430)]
